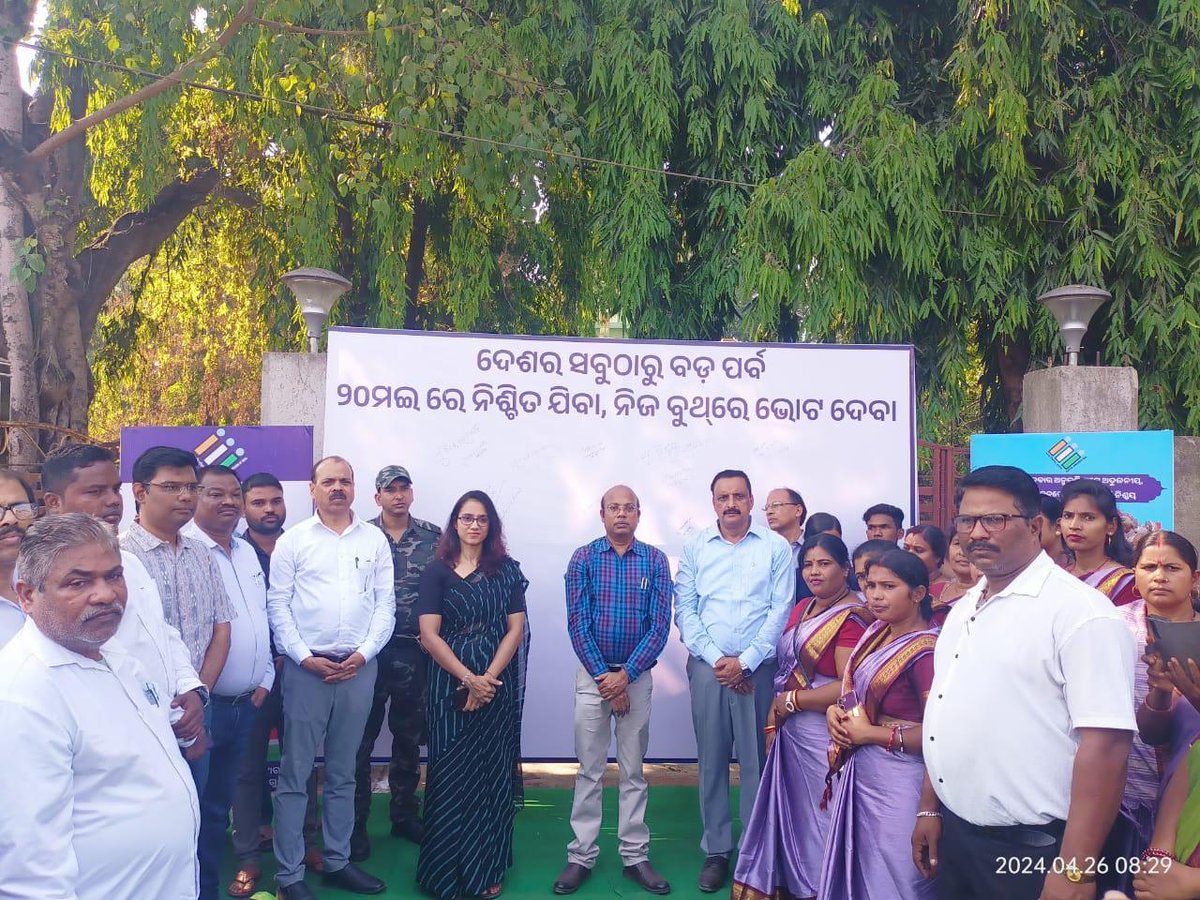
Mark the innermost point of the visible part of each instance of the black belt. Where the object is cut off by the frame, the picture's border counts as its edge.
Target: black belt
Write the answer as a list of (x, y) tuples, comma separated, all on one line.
[(1011, 834), (234, 700), (333, 657)]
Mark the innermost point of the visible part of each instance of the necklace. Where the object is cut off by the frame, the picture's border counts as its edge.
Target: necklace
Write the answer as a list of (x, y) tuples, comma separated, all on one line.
[(812, 609)]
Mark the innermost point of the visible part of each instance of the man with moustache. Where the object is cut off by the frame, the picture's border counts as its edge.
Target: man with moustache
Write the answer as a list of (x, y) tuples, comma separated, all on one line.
[(332, 607), (83, 478), (400, 684), (618, 618), (249, 671), (1030, 716), (17, 509), (97, 803), (190, 587), (733, 593), (265, 512)]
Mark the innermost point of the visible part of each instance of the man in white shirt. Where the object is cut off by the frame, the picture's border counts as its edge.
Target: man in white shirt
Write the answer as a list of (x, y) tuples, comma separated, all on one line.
[(97, 802), (17, 509), (82, 478), (248, 673), (332, 607), (1030, 717)]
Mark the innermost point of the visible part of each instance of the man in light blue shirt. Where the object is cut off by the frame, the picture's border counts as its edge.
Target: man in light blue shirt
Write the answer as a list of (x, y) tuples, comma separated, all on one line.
[(733, 595)]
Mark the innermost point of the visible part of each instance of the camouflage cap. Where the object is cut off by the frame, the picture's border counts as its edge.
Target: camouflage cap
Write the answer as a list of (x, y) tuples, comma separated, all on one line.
[(388, 474)]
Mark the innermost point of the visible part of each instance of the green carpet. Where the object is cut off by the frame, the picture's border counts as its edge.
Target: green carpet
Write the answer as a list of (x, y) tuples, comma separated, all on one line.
[(543, 830)]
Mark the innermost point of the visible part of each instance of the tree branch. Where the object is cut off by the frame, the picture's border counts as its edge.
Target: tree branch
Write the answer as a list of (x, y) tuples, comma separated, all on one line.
[(79, 126), (134, 235)]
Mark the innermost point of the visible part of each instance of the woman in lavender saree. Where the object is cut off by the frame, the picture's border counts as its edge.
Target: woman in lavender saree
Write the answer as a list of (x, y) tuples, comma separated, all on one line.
[(876, 731), (784, 840)]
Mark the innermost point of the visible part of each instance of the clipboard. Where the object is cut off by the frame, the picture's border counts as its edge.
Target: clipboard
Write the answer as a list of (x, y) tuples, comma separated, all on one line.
[(1175, 640)]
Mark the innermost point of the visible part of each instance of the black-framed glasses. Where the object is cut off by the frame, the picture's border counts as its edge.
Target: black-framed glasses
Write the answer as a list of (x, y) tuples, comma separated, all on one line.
[(175, 487), (992, 523), (775, 504), (467, 520), (20, 510)]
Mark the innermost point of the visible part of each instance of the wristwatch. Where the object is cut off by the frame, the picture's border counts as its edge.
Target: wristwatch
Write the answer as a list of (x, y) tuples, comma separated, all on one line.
[(1076, 875), (745, 672)]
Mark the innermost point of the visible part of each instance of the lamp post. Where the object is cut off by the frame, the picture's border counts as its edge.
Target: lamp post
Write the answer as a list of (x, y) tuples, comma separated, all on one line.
[(1073, 306), (316, 290)]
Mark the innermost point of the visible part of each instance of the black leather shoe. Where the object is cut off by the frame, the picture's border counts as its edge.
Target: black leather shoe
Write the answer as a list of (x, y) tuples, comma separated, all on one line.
[(570, 878), (360, 846), (355, 880), (409, 829), (643, 875), (297, 891), (714, 874)]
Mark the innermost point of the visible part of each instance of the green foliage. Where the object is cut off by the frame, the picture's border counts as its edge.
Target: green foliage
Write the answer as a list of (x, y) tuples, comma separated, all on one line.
[(883, 171)]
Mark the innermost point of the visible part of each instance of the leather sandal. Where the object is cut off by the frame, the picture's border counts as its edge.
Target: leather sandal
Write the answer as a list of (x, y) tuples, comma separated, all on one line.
[(243, 883), (493, 892)]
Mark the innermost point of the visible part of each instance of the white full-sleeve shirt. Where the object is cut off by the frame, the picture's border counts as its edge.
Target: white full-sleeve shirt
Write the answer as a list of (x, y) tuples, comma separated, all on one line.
[(145, 634), (98, 803), (331, 593), (1014, 681), (249, 664), (11, 620)]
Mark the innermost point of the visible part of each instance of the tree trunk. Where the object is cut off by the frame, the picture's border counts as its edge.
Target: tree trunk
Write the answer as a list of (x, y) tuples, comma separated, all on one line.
[(16, 321), (414, 272)]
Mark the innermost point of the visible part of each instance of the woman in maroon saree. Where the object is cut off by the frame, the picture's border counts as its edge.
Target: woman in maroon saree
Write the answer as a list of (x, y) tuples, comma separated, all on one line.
[(784, 840), (875, 756), (928, 543), (1094, 533), (966, 576)]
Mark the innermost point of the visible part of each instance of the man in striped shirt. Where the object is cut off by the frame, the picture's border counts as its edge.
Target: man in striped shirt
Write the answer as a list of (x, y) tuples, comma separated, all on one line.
[(618, 617)]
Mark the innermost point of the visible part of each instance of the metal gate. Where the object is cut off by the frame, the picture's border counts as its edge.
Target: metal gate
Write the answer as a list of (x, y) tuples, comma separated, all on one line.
[(938, 469)]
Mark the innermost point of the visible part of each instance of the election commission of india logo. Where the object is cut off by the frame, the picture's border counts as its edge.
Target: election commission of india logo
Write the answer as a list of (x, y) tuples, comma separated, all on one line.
[(1066, 455), (219, 450)]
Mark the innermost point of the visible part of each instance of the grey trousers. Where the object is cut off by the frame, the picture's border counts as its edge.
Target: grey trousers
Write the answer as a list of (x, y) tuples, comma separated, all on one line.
[(726, 721), (593, 734), (314, 713), (250, 792)]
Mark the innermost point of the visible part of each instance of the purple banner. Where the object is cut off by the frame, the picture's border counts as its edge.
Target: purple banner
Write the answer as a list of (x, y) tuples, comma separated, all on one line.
[(286, 451), (1126, 488)]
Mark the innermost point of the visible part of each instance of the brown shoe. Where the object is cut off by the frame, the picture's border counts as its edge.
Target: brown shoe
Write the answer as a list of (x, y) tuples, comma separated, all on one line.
[(570, 878), (643, 875), (244, 882)]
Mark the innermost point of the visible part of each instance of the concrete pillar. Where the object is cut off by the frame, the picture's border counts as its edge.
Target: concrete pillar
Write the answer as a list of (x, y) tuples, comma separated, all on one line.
[(1081, 398), (293, 393), (1187, 488)]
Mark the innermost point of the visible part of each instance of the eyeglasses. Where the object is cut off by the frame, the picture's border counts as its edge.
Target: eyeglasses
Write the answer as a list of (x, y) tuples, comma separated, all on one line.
[(174, 487), (20, 510), (992, 522), (775, 504), (468, 520), (628, 508)]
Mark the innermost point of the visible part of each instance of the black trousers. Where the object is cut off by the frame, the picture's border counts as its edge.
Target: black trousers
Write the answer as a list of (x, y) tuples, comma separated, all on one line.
[(995, 862), (400, 687)]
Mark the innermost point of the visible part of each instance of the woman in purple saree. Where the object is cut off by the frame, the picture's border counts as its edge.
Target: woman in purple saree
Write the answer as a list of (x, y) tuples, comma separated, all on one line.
[(876, 731), (784, 840)]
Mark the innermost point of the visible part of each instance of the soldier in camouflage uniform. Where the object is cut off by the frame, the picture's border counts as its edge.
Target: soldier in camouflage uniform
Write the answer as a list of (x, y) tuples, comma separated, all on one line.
[(402, 665)]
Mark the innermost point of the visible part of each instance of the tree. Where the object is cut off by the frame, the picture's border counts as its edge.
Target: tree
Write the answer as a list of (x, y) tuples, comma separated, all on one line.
[(845, 171)]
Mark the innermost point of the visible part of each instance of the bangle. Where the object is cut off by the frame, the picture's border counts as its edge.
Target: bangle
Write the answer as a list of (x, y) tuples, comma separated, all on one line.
[(928, 814), (1170, 704), (891, 739), (900, 732), (769, 728), (1157, 853)]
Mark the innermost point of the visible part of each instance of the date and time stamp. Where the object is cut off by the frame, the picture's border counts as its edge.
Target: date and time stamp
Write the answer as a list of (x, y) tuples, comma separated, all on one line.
[(1090, 866)]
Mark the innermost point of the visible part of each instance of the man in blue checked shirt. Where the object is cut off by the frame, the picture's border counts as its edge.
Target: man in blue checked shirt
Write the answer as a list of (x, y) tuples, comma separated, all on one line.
[(618, 616)]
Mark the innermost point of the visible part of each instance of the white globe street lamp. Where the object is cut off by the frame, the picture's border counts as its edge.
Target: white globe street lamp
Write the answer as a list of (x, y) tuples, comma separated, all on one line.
[(1073, 306), (316, 290)]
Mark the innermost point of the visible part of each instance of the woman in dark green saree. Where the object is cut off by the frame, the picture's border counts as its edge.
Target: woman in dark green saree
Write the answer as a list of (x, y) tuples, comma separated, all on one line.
[(472, 614)]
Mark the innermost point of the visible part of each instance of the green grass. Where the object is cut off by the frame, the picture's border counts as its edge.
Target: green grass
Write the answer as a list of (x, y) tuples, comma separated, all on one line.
[(543, 830)]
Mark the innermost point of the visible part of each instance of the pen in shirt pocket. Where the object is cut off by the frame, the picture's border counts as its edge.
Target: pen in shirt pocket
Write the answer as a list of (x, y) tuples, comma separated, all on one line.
[(645, 582)]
